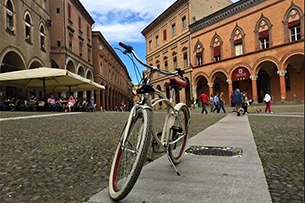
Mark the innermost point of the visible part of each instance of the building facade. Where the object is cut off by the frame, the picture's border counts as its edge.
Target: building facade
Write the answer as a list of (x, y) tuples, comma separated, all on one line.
[(58, 34), (71, 40), (254, 45), (168, 40), (112, 73), (24, 38)]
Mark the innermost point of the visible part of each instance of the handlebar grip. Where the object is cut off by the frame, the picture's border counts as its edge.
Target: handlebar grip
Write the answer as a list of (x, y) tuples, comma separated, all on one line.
[(123, 45), (128, 49)]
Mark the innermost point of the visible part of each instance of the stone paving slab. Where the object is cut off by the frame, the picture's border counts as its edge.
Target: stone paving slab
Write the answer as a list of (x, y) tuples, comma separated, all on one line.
[(205, 178)]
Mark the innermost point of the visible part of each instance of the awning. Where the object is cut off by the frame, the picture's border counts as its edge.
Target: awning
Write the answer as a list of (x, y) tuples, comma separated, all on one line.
[(51, 79), (240, 73)]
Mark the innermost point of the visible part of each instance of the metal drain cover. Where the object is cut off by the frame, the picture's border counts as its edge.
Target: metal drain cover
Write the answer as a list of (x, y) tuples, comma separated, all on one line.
[(215, 151)]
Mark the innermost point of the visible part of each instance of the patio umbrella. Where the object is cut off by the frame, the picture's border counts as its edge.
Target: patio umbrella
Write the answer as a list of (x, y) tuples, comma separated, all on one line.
[(51, 79)]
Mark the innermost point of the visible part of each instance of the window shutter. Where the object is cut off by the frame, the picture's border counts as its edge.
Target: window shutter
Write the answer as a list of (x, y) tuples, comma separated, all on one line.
[(263, 35), (238, 41), (217, 51), (294, 23)]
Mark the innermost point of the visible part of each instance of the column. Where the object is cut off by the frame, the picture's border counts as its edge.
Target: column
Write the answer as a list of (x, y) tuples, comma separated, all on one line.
[(282, 73), (230, 89), (254, 88), (194, 89), (98, 99), (211, 87)]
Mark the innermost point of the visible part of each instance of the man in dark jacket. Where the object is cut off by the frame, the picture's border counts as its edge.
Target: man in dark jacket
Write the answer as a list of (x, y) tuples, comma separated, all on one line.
[(238, 100)]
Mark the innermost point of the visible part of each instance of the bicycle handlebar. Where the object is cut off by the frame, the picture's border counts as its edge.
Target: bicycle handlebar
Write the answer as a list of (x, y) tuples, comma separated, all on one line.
[(129, 49)]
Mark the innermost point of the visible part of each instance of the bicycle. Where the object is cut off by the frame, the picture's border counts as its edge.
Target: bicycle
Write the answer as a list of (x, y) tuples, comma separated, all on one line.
[(139, 132)]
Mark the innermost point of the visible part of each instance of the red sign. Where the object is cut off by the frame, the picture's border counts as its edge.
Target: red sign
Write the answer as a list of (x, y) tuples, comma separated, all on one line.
[(240, 73)]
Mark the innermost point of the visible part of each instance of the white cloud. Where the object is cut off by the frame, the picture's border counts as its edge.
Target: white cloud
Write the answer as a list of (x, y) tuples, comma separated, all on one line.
[(124, 20)]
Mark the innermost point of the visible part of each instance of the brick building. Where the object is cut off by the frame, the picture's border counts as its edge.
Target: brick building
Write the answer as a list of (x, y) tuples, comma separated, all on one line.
[(255, 45), (71, 40), (58, 34), (24, 38), (112, 73), (168, 40)]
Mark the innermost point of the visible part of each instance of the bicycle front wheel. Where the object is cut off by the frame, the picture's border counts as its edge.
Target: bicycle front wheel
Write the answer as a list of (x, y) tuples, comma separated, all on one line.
[(179, 134), (130, 155)]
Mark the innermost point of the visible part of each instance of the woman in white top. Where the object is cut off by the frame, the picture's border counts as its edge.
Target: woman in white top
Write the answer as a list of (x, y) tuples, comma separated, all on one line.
[(267, 100)]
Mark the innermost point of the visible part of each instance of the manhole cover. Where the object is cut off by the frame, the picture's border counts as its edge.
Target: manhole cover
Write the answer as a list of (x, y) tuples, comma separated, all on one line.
[(215, 151)]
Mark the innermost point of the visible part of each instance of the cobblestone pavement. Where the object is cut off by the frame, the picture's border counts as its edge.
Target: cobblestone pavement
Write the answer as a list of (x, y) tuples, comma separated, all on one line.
[(67, 158)]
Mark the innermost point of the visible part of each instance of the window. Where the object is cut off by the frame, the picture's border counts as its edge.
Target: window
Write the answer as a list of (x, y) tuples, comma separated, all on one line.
[(184, 22), (150, 45), (44, 2), (164, 35), (57, 10), (217, 53), (42, 38), (175, 62), (81, 48), (58, 43), (27, 28), (238, 44), (89, 55), (174, 29), (166, 65), (69, 11), (70, 42), (199, 58), (198, 53), (264, 39), (295, 30), (88, 32), (157, 40), (185, 61), (9, 15), (79, 23)]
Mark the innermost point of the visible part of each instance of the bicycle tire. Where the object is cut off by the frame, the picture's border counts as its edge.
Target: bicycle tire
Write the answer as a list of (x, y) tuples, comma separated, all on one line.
[(130, 155), (182, 121)]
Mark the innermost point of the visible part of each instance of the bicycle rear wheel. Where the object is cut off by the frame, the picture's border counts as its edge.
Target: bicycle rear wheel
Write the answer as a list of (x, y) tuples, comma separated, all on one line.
[(179, 131), (130, 155)]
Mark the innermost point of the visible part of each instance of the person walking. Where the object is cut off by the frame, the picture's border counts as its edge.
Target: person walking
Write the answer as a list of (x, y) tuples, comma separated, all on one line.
[(221, 103), (211, 101), (216, 103), (232, 102), (238, 100), (204, 101), (267, 100)]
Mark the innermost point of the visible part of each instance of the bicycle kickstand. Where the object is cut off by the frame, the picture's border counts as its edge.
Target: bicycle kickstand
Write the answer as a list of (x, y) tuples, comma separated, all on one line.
[(171, 161)]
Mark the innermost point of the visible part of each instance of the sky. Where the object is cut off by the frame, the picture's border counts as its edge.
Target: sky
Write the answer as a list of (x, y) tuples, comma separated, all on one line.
[(123, 21)]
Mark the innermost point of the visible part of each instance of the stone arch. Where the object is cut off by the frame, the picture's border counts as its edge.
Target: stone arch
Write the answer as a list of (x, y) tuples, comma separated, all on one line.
[(263, 59), (35, 62), (12, 61)]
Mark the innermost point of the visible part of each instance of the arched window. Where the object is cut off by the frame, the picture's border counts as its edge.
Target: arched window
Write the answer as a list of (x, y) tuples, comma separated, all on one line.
[(216, 44), (28, 28), (42, 38), (293, 24), (9, 16), (262, 31), (237, 41), (198, 53)]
